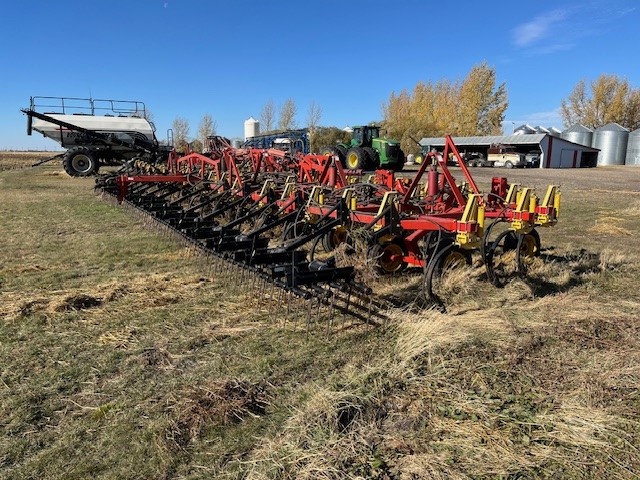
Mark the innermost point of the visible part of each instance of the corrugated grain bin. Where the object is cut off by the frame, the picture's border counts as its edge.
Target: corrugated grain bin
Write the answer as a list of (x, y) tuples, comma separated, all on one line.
[(633, 148), (524, 130), (611, 139), (578, 134)]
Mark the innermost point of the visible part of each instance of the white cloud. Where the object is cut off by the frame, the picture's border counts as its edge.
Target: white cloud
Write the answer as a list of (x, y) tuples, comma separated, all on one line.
[(537, 29)]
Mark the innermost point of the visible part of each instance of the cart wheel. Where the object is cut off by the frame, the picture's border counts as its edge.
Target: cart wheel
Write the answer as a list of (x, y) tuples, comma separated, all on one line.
[(80, 162)]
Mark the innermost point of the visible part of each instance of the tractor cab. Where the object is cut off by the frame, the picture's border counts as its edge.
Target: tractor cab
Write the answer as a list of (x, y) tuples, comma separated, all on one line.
[(363, 136)]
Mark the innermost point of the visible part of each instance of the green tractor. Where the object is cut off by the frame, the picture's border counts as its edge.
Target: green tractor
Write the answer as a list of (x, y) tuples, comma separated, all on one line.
[(367, 151)]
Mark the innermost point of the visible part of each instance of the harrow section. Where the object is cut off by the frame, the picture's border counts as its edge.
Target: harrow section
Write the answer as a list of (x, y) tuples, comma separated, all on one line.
[(278, 219)]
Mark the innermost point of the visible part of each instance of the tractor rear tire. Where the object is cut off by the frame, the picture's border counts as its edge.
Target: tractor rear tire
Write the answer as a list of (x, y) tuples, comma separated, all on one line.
[(342, 154), (373, 159), (400, 165), (356, 159), (80, 162), (337, 151)]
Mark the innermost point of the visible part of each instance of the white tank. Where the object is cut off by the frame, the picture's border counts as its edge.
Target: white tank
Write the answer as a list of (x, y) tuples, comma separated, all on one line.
[(633, 148), (251, 128), (611, 139)]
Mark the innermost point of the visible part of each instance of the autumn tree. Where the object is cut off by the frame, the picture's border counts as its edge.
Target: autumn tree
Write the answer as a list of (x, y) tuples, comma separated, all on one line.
[(327, 137), (206, 128), (288, 115), (180, 128), (609, 99), (480, 103), (267, 116), (313, 116), (196, 146), (473, 106)]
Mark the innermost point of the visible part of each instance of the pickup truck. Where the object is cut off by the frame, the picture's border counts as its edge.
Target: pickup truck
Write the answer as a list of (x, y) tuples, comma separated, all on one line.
[(506, 156)]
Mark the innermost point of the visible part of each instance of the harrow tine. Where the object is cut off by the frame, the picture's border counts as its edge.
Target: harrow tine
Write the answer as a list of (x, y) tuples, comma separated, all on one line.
[(280, 295), (330, 320), (270, 300), (309, 305), (286, 315)]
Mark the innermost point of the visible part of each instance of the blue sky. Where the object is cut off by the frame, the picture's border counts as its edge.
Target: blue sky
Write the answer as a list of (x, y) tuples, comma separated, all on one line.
[(188, 57)]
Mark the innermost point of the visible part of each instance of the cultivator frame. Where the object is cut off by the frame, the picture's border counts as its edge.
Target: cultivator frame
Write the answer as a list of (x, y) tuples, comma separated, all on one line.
[(270, 213)]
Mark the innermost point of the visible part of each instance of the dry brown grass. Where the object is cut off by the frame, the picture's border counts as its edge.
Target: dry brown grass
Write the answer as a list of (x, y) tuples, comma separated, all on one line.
[(134, 359), (220, 402), (19, 160)]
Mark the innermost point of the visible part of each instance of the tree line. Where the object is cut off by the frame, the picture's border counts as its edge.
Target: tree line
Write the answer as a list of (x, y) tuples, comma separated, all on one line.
[(607, 99), (475, 105)]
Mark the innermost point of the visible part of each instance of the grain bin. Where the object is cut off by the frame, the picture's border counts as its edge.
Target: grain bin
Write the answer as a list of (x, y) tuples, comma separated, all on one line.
[(578, 134), (611, 139), (633, 148), (251, 128), (524, 130)]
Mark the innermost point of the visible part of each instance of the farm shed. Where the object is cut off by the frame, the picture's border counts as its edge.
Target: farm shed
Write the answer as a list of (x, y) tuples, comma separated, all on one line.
[(555, 152)]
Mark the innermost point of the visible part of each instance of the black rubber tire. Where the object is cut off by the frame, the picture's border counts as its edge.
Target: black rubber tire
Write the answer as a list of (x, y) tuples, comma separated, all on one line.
[(373, 159), (80, 162), (356, 159), (342, 153), (508, 164), (338, 150), (400, 165)]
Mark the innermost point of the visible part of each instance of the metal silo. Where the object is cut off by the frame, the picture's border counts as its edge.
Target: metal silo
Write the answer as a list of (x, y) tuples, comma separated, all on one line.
[(578, 134), (556, 132), (633, 148), (611, 139), (251, 128), (524, 130)]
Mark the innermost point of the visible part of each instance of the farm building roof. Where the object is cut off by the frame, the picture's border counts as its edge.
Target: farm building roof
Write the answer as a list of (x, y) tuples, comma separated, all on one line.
[(527, 139)]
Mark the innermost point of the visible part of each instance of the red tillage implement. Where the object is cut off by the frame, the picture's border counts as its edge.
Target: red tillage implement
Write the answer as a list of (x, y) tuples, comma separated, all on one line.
[(278, 216)]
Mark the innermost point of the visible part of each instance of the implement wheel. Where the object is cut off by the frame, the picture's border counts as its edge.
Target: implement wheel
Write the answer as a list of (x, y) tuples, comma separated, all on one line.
[(334, 238), (526, 247), (388, 258), (530, 243), (439, 267), (80, 162)]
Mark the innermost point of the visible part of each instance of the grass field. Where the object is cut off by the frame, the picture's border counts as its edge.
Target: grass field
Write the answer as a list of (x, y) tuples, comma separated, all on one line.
[(124, 356)]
